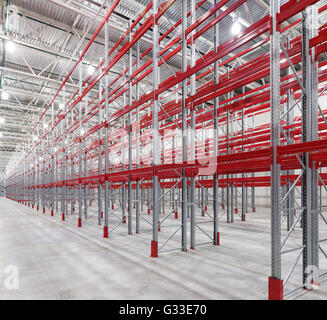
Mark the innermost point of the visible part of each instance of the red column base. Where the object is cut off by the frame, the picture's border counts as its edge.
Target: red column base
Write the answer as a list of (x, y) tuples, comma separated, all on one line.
[(243, 217), (43, 210), (79, 223), (37, 208), (105, 232), (236, 210), (124, 220), (159, 226), (101, 215), (176, 214), (148, 211), (275, 289), (254, 209), (63, 217), (308, 289), (192, 248), (51, 213), (112, 207), (154, 249), (218, 238)]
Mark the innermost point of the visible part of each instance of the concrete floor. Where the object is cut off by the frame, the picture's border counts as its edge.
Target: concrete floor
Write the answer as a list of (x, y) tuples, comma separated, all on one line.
[(57, 260)]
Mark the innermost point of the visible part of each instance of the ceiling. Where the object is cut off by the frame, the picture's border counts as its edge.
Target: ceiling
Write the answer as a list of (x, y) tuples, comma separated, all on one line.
[(48, 36)]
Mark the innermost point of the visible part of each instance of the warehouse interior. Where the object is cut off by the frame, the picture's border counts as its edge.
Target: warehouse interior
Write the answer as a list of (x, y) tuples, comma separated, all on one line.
[(163, 149)]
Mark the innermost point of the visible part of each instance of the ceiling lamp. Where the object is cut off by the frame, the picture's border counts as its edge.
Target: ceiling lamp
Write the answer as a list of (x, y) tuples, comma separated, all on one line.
[(90, 70), (11, 47), (5, 95), (236, 28)]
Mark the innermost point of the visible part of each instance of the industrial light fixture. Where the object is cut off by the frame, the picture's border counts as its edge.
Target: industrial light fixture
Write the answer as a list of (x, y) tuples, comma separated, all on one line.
[(45, 126), (2, 120), (11, 47), (5, 95), (35, 138), (236, 27), (61, 106), (90, 69), (0, 134)]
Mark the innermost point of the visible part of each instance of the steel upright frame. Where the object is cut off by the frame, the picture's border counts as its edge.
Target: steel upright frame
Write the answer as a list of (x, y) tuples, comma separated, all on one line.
[(117, 139)]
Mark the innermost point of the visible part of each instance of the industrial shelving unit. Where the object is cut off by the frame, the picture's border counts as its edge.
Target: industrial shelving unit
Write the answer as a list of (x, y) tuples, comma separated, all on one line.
[(120, 150)]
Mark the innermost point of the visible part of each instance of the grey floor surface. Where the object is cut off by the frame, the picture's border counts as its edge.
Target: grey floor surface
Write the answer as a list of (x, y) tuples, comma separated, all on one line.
[(57, 260)]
